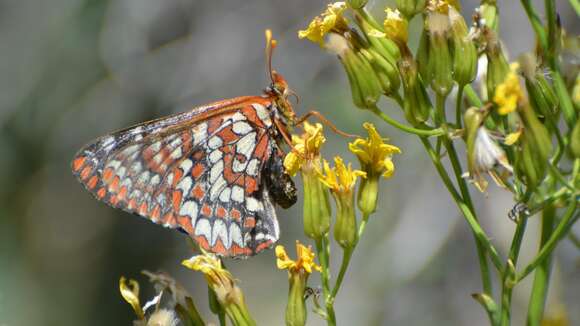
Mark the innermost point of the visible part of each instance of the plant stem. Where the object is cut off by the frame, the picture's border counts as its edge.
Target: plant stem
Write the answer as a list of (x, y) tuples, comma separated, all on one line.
[(507, 287), (536, 23), (405, 128), (346, 255), (542, 273), (576, 5), (458, 171), (472, 96), (467, 214), (458, 103), (323, 249), (561, 230)]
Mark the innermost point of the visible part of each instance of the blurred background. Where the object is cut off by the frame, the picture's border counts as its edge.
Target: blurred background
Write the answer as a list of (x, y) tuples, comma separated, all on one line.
[(73, 70)]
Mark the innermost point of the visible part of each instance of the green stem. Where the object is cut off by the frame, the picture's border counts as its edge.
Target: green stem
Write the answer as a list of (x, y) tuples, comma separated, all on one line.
[(405, 128), (576, 5), (323, 252), (542, 273), (458, 171), (507, 287), (561, 230), (536, 23), (346, 255), (563, 96), (458, 103), (472, 96), (556, 173), (478, 232)]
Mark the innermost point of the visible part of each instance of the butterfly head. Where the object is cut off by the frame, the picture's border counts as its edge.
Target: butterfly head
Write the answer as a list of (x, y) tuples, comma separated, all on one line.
[(278, 90)]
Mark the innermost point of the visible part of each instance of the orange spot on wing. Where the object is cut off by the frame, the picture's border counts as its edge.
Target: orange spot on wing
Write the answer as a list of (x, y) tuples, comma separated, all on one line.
[(198, 192), (177, 174), (202, 242), (227, 135), (155, 214), (219, 247), (107, 174), (86, 172), (235, 214), (132, 203), (143, 208), (213, 125), (92, 182), (249, 222), (261, 147), (251, 185), (197, 170), (236, 250), (101, 193), (221, 212), (264, 245), (176, 199), (114, 186), (78, 163), (206, 210), (252, 116), (185, 223), (186, 141), (122, 193)]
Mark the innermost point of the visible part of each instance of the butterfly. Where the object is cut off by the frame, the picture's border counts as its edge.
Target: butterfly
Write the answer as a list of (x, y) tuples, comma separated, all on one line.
[(215, 172)]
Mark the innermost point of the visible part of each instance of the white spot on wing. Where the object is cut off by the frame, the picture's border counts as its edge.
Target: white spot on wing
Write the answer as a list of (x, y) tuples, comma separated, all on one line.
[(236, 235), (263, 114), (217, 187), (114, 164), (238, 194), (216, 171), (246, 144), (156, 146), (215, 142), (155, 180), (184, 185), (252, 168), (238, 166), (203, 228), (220, 231), (241, 128), (225, 194), (253, 205), (199, 133), (176, 154), (215, 156), (189, 208), (185, 166), (144, 177)]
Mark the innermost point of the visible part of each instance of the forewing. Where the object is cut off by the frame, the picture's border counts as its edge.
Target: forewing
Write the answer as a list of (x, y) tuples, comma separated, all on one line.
[(204, 176)]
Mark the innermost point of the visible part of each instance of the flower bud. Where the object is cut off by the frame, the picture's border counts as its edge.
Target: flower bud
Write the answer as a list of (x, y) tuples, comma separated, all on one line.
[(410, 8), (542, 97), (364, 82), (416, 103), (439, 61), (296, 311), (489, 15), (379, 43), (497, 65), (464, 51), (316, 205), (386, 73)]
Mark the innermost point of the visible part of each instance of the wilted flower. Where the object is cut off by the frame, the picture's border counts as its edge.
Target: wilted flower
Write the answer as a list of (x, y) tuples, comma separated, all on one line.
[(130, 292), (330, 20)]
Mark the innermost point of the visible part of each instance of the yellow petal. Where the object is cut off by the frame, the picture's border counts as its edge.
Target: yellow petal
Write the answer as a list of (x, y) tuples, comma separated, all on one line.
[(130, 292), (512, 138)]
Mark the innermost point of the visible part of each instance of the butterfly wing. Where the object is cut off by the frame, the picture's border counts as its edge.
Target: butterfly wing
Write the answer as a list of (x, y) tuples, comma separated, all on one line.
[(200, 171)]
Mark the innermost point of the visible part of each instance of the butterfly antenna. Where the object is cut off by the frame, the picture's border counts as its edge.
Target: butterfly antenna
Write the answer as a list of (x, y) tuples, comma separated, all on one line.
[(325, 121), (270, 45)]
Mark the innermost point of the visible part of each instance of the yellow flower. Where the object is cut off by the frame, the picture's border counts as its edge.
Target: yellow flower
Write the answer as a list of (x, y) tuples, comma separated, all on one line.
[(304, 262), (306, 148), (513, 137), (396, 26), (331, 19), (130, 292), (508, 93), (342, 178), (373, 153), (217, 277)]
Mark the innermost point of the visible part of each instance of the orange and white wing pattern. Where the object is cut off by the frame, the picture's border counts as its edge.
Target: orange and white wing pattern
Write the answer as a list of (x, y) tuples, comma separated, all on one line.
[(215, 172)]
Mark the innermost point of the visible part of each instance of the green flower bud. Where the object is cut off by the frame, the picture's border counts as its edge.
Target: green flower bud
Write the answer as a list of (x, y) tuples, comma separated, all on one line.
[(316, 205), (439, 61), (368, 194), (345, 229), (296, 311), (542, 97), (464, 51), (387, 73), (410, 8), (489, 13), (382, 45), (366, 88), (473, 119), (423, 57), (357, 4), (416, 105), (497, 66)]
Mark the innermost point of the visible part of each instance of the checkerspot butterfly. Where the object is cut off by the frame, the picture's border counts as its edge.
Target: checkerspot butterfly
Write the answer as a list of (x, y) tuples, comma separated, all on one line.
[(214, 172)]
